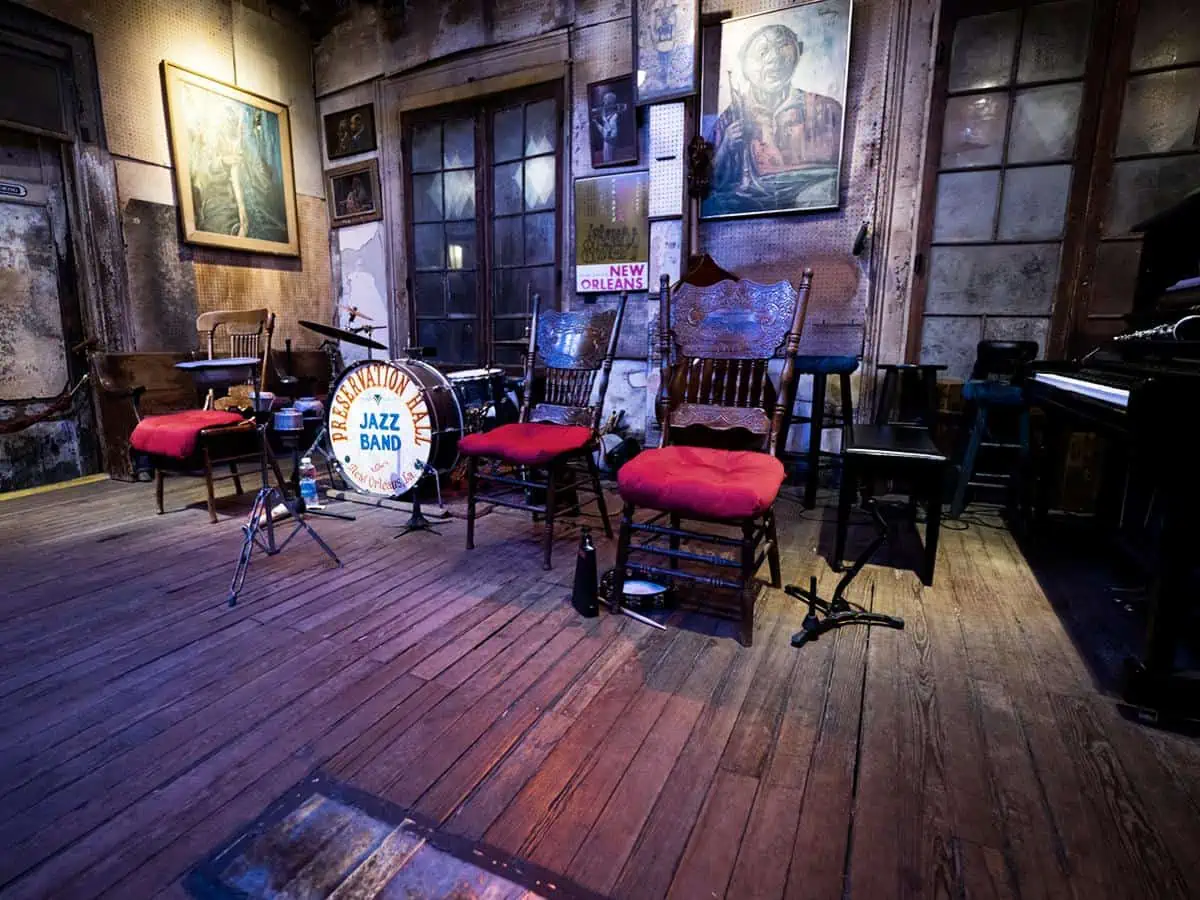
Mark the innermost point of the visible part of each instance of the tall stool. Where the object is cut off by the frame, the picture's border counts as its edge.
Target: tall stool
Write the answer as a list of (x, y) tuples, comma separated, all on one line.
[(909, 394), (820, 368), (991, 387)]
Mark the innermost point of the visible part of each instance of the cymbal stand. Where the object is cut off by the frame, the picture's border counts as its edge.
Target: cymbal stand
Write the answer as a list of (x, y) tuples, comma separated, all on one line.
[(260, 527)]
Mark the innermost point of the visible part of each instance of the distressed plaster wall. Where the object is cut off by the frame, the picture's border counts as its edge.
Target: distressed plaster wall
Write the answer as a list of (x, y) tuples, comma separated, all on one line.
[(853, 297), (257, 48)]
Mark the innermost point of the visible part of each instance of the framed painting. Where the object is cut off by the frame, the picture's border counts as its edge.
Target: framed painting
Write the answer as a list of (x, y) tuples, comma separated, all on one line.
[(612, 235), (664, 49), (232, 152), (354, 195), (350, 131), (612, 122), (773, 105)]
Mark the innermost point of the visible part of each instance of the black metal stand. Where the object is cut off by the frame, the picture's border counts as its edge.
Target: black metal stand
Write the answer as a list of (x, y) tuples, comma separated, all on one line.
[(417, 521), (299, 499), (837, 611)]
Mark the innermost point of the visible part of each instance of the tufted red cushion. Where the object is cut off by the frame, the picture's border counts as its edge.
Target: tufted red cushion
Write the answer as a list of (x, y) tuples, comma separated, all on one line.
[(698, 481), (526, 443), (175, 434)]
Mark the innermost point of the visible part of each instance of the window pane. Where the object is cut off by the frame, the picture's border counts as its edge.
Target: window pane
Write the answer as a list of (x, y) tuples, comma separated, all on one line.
[(508, 292), (539, 238), (509, 329), (430, 298), (1142, 187), (509, 244), (974, 131), (427, 247), (1055, 41), (507, 134), (1159, 114), (460, 144), (539, 183), (460, 194), (966, 205), (461, 293), (541, 125), (992, 279), (454, 339), (542, 281), (507, 356), (1034, 204), (1114, 277), (1168, 33), (427, 148), (1044, 124), (460, 245), (508, 188), (427, 197), (983, 51)]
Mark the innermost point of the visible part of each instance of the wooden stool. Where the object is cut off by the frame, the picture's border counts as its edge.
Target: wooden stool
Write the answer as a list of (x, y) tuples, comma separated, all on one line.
[(909, 394), (820, 368)]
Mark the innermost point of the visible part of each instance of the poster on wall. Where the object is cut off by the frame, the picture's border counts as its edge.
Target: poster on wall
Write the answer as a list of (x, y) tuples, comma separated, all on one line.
[(354, 195), (773, 107), (232, 153), (612, 243), (612, 122), (666, 240), (664, 49)]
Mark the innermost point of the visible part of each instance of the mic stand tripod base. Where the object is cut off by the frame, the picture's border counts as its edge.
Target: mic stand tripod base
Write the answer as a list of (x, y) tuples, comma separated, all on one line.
[(417, 521), (837, 612)]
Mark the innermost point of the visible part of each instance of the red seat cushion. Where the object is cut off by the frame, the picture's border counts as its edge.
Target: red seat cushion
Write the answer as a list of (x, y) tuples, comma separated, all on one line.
[(175, 434), (526, 443), (701, 482)]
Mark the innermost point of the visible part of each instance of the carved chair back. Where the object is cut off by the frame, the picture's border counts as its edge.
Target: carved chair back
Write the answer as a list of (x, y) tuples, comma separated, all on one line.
[(716, 350), (574, 351), (227, 333)]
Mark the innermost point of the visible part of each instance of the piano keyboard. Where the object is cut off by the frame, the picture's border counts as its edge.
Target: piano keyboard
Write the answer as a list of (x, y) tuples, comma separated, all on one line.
[(1105, 393)]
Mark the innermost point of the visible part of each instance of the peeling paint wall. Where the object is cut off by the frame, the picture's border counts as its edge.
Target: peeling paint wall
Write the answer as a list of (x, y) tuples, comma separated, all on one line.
[(369, 47), (249, 44)]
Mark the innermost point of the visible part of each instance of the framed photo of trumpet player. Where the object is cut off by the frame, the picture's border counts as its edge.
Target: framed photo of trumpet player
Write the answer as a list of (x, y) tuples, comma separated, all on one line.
[(612, 122), (665, 49), (773, 103)]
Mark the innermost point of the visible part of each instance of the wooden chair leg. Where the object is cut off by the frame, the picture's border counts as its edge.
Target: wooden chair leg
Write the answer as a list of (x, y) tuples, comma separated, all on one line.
[(625, 535), (551, 486), (845, 505), (158, 488), (237, 481), (673, 541), (773, 551), (968, 461), (816, 427), (600, 502), (749, 588), (208, 485), (933, 521), (472, 489), (847, 398)]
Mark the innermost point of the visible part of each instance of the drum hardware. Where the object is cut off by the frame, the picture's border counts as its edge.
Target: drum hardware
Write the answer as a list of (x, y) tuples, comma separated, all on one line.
[(606, 590), (341, 334), (416, 520)]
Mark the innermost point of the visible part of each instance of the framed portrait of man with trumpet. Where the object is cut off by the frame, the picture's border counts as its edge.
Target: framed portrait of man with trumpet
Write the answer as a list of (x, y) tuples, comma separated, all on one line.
[(773, 107)]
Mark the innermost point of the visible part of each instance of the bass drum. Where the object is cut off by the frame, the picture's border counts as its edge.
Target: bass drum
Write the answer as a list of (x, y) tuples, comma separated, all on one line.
[(389, 422)]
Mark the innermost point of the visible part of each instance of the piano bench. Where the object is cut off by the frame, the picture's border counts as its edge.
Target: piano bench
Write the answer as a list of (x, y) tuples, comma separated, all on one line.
[(871, 452)]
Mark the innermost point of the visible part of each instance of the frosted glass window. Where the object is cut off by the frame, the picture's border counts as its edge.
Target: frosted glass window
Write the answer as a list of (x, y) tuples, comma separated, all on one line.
[(1115, 277), (1160, 112), (427, 197), (982, 52), (1034, 203), (541, 127), (507, 188), (992, 279), (460, 144), (427, 148), (966, 206), (1142, 187), (507, 134), (1054, 43), (973, 134), (1045, 121), (1168, 33)]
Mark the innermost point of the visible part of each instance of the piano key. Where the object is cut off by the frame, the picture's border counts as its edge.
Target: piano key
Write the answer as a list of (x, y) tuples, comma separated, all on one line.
[(1113, 396)]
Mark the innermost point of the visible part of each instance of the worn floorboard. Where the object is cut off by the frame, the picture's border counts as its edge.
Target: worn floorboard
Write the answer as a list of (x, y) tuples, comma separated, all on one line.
[(979, 753)]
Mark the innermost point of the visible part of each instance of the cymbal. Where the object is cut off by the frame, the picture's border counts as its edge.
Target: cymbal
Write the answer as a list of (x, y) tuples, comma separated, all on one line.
[(340, 335)]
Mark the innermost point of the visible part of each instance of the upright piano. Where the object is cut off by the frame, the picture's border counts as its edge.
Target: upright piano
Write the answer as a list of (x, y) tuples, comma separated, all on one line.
[(1141, 390)]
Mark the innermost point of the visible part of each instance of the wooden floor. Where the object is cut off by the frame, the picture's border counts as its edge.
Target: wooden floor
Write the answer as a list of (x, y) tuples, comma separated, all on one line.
[(976, 754)]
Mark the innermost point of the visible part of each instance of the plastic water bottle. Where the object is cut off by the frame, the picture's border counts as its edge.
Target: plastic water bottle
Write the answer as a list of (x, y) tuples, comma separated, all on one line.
[(308, 482)]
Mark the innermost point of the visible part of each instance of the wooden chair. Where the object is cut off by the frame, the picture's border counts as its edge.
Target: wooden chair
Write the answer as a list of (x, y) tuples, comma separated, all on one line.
[(193, 441), (575, 351), (724, 337)]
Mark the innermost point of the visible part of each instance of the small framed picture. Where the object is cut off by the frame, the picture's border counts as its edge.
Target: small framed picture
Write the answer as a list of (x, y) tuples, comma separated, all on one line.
[(612, 122), (350, 131), (664, 49), (354, 195)]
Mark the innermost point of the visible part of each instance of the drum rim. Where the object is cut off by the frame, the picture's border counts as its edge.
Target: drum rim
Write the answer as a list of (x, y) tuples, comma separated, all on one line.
[(436, 435)]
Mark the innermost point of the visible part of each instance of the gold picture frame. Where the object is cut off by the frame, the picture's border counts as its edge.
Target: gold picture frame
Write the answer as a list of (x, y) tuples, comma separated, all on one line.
[(232, 155), (354, 194)]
